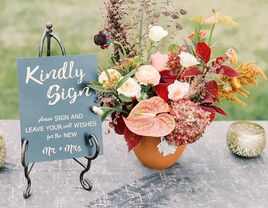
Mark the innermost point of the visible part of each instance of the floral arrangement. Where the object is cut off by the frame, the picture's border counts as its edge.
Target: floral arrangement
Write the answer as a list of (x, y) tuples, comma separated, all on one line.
[(173, 95)]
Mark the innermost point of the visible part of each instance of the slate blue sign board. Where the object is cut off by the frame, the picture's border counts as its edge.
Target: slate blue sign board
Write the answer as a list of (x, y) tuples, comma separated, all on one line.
[(55, 105)]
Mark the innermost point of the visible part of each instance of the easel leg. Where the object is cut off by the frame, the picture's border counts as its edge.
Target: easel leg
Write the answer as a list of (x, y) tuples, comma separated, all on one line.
[(27, 170), (85, 183), (27, 193)]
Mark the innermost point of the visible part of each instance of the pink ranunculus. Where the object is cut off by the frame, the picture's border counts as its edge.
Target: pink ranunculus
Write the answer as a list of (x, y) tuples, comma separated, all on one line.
[(178, 90), (159, 61), (148, 75)]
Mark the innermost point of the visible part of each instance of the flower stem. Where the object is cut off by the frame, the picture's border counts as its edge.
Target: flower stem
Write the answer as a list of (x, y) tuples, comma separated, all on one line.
[(140, 31), (211, 33), (149, 51), (121, 46), (115, 109)]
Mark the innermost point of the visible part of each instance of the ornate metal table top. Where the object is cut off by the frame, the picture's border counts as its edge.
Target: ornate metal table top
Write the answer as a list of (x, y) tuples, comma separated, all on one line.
[(207, 175)]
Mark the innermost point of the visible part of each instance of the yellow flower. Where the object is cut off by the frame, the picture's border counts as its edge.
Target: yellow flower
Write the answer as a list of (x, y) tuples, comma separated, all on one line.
[(218, 18), (231, 53), (198, 19), (111, 83), (249, 72), (124, 63), (226, 20), (247, 76)]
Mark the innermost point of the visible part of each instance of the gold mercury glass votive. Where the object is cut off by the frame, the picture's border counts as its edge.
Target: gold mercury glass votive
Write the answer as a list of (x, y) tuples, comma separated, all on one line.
[(246, 139), (3, 151)]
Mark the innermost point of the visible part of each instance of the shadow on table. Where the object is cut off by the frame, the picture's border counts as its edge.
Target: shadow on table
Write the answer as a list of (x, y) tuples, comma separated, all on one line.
[(147, 191), (6, 168)]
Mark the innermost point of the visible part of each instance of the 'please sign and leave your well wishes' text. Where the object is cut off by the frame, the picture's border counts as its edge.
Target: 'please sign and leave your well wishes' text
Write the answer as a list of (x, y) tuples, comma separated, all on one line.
[(54, 106)]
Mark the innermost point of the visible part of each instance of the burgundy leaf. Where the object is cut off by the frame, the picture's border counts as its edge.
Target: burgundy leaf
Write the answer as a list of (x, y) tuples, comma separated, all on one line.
[(219, 110), (207, 99), (203, 51), (162, 90), (191, 71), (117, 123), (212, 88), (167, 76), (211, 110), (219, 61), (229, 71), (132, 139)]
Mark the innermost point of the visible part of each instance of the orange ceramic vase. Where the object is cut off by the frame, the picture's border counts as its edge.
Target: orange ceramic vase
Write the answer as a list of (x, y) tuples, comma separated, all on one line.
[(150, 157)]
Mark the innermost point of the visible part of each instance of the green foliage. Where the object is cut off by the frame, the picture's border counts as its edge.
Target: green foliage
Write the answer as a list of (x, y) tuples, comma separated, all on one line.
[(98, 87), (124, 98), (125, 78)]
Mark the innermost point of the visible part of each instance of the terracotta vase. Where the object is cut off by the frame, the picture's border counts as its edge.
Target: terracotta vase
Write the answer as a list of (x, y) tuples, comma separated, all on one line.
[(150, 157)]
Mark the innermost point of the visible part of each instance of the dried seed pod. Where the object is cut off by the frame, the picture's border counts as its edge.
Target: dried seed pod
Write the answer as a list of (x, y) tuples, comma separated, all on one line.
[(178, 26), (166, 13), (175, 15), (183, 12)]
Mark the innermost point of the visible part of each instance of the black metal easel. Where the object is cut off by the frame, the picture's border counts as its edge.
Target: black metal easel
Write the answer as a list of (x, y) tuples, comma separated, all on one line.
[(91, 138)]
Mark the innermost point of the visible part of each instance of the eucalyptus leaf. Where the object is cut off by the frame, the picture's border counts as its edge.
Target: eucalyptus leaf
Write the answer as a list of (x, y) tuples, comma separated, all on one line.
[(95, 82), (106, 114), (115, 109), (99, 88), (124, 98), (107, 74), (125, 78)]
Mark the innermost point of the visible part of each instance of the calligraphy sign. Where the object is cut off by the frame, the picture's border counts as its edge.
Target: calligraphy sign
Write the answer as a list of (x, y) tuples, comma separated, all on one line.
[(55, 102)]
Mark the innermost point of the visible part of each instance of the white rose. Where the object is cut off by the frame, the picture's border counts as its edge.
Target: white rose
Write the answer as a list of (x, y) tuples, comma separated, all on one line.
[(178, 90), (187, 59), (156, 33), (130, 88), (97, 110), (113, 73)]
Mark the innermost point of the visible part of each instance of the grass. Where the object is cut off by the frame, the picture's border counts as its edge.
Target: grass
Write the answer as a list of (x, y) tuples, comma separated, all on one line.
[(76, 22)]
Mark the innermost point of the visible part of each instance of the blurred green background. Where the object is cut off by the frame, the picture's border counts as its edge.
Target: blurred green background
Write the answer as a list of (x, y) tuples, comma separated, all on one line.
[(76, 22)]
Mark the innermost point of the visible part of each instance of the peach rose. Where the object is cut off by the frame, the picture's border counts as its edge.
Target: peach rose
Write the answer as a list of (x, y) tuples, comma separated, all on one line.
[(178, 90), (159, 61), (147, 74)]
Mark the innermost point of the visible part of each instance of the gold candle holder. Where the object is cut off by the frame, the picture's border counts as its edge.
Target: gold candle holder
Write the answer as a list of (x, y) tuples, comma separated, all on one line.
[(3, 151), (246, 139)]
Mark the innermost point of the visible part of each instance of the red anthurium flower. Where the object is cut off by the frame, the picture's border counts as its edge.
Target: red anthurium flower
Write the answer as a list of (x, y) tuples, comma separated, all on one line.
[(151, 118), (162, 90), (191, 71), (203, 51), (132, 139), (212, 88)]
